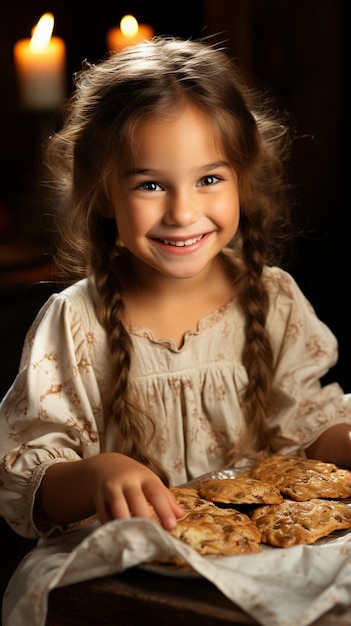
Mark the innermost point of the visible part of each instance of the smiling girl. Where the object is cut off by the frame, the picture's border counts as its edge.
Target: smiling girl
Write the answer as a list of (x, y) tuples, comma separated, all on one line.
[(180, 346)]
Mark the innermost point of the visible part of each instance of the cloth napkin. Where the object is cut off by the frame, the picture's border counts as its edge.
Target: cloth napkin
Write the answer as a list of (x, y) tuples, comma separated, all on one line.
[(276, 586)]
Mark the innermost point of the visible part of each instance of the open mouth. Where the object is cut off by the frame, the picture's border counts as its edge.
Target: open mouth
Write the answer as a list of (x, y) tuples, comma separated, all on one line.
[(179, 244)]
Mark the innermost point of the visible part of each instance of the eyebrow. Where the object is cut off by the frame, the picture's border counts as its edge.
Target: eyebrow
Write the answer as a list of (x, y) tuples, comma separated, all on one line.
[(150, 171)]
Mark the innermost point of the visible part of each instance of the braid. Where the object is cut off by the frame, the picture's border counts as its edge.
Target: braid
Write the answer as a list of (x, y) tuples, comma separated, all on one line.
[(257, 353), (130, 420)]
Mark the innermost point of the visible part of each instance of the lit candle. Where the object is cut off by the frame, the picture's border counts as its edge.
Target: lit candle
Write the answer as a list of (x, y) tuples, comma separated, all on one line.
[(41, 67), (129, 33)]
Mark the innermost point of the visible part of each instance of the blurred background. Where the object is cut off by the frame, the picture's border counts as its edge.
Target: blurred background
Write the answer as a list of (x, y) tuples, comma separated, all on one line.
[(294, 49)]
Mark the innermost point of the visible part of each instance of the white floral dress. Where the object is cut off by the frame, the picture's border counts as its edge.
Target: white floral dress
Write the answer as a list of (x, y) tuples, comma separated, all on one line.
[(54, 412)]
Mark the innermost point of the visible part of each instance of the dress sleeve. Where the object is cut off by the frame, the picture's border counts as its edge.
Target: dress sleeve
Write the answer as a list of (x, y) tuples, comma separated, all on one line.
[(305, 350), (53, 411)]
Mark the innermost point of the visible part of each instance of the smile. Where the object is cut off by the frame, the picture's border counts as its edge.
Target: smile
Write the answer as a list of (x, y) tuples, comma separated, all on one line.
[(187, 242)]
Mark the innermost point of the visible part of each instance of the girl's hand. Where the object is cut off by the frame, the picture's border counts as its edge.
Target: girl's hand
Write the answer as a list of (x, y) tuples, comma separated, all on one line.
[(123, 488), (112, 485)]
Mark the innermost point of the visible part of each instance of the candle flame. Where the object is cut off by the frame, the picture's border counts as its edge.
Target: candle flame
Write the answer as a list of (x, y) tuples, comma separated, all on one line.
[(42, 32), (129, 26)]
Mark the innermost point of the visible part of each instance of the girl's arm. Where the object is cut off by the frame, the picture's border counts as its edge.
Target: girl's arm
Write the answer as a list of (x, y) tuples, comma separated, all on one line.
[(308, 416), (52, 431), (333, 446), (111, 485)]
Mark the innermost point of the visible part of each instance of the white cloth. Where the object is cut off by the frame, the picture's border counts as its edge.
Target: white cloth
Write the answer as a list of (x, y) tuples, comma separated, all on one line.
[(278, 587)]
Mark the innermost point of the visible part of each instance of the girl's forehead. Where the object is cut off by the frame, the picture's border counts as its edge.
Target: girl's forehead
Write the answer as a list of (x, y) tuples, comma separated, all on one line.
[(174, 120), (182, 143), (184, 124), (178, 122)]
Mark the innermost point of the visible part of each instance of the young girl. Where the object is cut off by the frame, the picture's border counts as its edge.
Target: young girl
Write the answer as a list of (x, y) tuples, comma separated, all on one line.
[(180, 347)]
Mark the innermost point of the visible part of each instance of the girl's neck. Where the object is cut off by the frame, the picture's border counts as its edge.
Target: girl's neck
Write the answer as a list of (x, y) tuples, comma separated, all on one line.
[(171, 307)]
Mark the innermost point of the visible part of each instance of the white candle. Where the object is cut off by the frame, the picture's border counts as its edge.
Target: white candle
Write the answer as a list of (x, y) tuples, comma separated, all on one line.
[(41, 67), (129, 33)]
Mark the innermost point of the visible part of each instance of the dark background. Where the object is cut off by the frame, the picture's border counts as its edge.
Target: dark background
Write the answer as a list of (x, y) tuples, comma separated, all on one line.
[(293, 48), (296, 49)]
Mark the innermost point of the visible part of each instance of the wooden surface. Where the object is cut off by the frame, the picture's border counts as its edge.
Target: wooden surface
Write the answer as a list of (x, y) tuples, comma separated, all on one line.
[(136, 597)]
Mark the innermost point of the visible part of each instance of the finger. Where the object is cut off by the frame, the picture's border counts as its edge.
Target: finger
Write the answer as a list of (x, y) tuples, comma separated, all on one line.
[(118, 506), (103, 512), (138, 504), (165, 506), (178, 511)]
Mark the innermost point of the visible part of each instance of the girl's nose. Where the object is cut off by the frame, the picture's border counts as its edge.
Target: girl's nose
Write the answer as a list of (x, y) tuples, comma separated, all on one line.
[(181, 210)]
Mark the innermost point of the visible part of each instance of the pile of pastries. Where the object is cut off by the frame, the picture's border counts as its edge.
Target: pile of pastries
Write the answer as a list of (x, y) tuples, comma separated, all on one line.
[(282, 501)]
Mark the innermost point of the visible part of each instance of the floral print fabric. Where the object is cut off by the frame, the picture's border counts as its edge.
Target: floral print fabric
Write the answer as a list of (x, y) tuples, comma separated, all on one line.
[(55, 411)]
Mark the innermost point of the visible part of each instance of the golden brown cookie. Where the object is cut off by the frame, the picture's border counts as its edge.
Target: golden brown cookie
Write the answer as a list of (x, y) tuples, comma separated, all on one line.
[(240, 490), (291, 523), (303, 479), (218, 533), (189, 499)]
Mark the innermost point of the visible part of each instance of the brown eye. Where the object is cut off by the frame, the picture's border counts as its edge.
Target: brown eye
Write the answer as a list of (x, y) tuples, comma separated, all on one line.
[(206, 181), (150, 186)]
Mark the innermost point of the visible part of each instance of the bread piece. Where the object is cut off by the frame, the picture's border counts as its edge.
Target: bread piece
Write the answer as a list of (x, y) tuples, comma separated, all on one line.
[(220, 534), (303, 479), (291, 523), (240, 490)]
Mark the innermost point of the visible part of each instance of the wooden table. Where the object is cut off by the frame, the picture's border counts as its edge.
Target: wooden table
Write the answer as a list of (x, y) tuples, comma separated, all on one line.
[(139, 598)]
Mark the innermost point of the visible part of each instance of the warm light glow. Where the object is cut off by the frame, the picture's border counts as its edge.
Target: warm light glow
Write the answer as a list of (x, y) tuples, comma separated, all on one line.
[(129, 26), (128, 34), (41, 67), (42, 33)]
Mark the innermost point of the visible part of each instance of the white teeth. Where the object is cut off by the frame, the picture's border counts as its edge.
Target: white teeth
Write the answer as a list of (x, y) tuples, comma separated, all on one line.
[(187, 242)]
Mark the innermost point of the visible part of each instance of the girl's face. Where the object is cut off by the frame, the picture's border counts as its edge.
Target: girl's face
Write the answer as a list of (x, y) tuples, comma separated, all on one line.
[(175, 199)]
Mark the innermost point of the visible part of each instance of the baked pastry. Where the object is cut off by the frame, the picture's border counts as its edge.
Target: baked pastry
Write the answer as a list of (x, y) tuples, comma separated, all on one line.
[(240, 490), (189, 499), (303, 479), (214, 531), (291, 523), (313, 510), (221, 533)]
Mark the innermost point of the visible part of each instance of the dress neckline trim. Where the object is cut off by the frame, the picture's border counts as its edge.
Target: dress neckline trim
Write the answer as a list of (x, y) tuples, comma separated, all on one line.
[(205, 323)]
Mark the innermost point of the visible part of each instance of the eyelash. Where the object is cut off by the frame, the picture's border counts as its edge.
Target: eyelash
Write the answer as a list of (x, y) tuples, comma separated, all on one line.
[(213, 177), (151, 183), (145, 186)]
